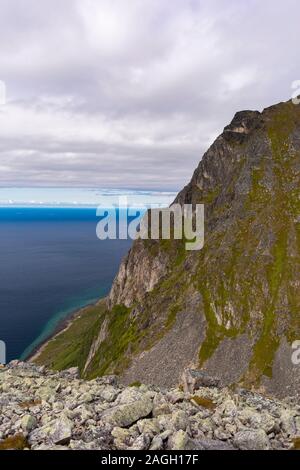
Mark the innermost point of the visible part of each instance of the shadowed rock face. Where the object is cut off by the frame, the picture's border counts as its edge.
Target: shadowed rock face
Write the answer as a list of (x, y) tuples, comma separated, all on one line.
[(247, 277)]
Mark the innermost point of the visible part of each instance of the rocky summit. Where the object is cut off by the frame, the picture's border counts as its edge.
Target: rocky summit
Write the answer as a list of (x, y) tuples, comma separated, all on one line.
[(232, 308), (42, 409)]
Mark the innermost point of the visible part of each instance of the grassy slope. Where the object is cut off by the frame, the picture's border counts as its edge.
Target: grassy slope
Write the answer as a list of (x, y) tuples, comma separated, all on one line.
[(71, 347)]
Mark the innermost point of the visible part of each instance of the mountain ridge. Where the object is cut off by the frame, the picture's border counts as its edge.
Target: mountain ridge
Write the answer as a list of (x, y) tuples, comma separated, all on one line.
[(233, 307)]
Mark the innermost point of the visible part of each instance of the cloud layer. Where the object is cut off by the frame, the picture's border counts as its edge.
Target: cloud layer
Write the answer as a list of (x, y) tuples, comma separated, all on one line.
[(117, 94)]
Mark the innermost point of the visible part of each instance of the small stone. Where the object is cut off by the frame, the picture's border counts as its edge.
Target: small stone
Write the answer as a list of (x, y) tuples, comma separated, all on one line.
[(61, 431), (83, 412), (175, 396), (86, 398), (58, 407), (148, 426), (129, 395), (229, 408), (250, 439), (45, 393), (121, 438), (72, 373), (28, 423), (156, 444), (141, 443), (178, 441), (179, 420), (81, 445), (288, 423), (160, 406), (109, 394), (221, 434)]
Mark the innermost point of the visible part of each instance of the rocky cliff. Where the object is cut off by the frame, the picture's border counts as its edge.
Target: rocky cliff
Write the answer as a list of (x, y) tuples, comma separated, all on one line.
[(232, 308)]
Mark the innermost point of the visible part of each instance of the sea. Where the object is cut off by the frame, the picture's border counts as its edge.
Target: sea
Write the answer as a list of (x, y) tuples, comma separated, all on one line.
[(51, 264)]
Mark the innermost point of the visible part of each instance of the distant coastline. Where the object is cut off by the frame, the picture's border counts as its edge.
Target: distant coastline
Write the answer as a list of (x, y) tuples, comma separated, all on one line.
[(62, 326)]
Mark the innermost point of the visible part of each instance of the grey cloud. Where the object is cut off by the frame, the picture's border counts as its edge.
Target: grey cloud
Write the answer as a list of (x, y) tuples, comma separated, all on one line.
[(135, 91)]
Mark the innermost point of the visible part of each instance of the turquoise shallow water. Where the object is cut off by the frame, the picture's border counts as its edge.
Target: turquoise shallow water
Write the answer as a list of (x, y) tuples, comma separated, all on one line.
[(54, 322), (51, 263)]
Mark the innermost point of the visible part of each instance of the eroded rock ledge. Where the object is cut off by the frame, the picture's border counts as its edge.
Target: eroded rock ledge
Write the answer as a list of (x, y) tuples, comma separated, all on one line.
[(42, 409)]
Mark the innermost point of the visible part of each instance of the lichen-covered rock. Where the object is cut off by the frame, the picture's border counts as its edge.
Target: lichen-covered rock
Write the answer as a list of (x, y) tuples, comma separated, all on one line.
[(121, 437), (58, 431), (288, 423), (178, 441), (179, 420), (157, 443), (45, 393), (28, 423), (160, 406), (209, 444), (149, 426), (125, 415), (251, 439)]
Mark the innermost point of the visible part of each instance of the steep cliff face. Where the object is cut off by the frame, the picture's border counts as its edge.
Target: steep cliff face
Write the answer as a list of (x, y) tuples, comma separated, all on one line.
[(247, 277), (134, 278), (232, 308)]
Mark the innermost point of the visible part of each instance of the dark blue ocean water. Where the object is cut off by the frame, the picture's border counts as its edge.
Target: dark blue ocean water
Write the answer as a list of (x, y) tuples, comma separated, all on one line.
[(51, 263)]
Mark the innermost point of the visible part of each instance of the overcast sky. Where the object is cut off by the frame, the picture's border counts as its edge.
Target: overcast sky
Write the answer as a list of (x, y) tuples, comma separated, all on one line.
[(129, 94)]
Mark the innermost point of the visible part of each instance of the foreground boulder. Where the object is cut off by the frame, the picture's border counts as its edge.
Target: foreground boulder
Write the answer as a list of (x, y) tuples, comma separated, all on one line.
[(125, 415), (57, 432)]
